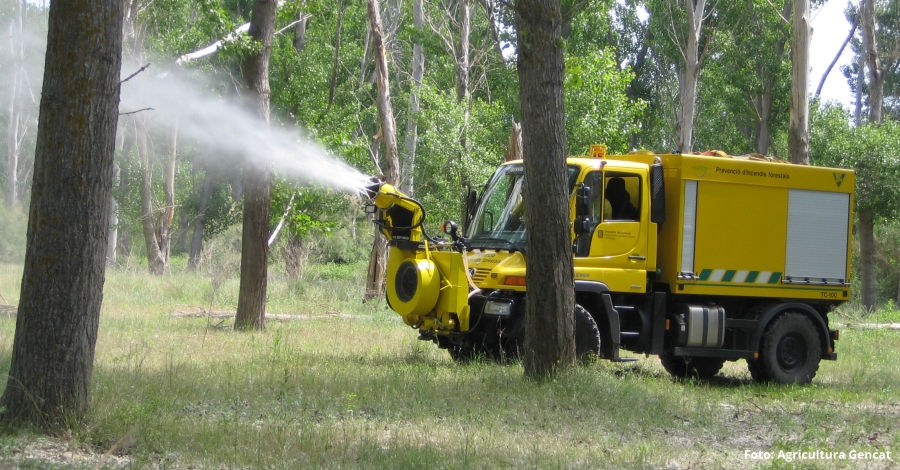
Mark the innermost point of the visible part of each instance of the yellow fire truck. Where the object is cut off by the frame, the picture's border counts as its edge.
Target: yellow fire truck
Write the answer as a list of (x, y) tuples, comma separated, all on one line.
[(699, 259)]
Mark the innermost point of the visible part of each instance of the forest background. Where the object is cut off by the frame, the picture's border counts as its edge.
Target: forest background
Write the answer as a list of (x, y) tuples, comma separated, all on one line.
[(176, 193)]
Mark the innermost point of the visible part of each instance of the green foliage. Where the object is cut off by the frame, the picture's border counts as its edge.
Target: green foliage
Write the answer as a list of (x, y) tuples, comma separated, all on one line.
[(870, 150), (597, 108), (444, 168)]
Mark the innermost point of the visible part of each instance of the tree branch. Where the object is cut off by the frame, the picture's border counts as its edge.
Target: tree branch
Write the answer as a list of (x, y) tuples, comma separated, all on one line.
[(836, 57), (214, 47), (287, 210), (568, 15), (135, 112), (135, 73)]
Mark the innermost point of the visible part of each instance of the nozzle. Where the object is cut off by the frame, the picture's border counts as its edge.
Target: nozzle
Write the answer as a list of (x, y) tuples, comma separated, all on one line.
[(371, 189)]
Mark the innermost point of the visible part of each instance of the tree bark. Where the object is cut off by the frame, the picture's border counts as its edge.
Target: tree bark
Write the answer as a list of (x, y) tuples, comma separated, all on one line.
[(462, 53), (337, 55), (17, 81), (378, 257), (200, 222), (549, 320), (49, 380), (156, 259), (167, 214), (873, 60), (763, 101), (514, 150), (412, 123), (251, 310), (867, 271), (688, 74), (112, 245), (798, 129)]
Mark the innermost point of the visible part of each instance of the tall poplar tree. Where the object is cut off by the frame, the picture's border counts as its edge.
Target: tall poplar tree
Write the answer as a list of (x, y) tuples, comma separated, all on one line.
[(251, 309), (62, 283), (549, 321)]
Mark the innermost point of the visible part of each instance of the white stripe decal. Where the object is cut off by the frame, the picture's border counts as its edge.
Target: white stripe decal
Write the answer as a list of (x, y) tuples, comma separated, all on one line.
[(763, 277), (740, 276), (717, 275)]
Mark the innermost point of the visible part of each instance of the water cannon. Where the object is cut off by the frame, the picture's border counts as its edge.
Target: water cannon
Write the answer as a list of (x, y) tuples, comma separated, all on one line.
[(371, 188), (425, 279), (399, 216)]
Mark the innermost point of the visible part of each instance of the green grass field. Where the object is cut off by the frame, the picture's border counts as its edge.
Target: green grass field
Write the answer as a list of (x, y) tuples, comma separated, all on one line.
[(349, 386)]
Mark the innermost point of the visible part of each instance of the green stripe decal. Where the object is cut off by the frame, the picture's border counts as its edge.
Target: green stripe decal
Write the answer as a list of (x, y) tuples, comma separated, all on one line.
[(735, 276)]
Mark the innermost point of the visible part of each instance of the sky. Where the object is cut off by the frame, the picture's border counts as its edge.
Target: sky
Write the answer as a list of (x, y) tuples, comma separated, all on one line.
[(830, 29)]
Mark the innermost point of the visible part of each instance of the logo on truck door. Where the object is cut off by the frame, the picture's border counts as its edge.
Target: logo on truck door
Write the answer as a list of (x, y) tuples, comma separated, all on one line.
[(839, 178)]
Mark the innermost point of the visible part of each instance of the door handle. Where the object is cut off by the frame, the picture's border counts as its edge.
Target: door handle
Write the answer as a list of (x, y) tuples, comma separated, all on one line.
[(637, 258)]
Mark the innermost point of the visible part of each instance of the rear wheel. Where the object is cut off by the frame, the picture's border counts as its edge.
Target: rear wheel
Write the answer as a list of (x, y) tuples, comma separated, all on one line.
[(791, 350), (691, 367)]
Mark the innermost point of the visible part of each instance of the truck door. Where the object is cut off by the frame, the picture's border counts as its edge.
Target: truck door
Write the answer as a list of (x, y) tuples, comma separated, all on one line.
[(618, 241)]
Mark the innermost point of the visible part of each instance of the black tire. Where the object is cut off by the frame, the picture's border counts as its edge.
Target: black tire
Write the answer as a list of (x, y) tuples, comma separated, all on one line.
[(469, 353), (791, 350), (462, 353), (685, 367), (587, 335), (756, 370)]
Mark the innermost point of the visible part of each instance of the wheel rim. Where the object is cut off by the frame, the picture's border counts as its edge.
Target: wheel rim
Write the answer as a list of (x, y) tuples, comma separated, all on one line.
[(791, 352)]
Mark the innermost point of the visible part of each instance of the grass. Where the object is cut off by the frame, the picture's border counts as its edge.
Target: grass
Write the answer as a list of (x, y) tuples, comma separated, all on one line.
[(359, 391)]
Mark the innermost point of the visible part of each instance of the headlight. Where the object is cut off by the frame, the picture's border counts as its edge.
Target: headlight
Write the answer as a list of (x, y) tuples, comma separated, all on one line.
[(502, 309)]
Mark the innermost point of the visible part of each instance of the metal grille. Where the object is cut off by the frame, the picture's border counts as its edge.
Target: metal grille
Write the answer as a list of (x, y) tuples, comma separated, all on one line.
[(480, 274)]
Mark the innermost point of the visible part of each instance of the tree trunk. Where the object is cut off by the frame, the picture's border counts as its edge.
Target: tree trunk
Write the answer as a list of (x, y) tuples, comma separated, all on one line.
[(112, 245), (688, 74), (866, 214), (549, 320), (412, 125), (798, 129), (514, 150), (337, 55), (462, 55), (200, 222), (378, 257), (866, 230), (251, 310), (17, 83), (300, 31), (166, 226), (62, 285), (763, 101), (156, 259), (294, 256)]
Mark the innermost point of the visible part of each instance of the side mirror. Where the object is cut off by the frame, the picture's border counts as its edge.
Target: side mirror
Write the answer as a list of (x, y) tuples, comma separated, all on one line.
[(471, 200), (582, 222), (582, 200)]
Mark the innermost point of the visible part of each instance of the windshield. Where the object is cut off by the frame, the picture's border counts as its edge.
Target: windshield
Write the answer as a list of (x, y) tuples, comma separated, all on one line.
[(499, 219)]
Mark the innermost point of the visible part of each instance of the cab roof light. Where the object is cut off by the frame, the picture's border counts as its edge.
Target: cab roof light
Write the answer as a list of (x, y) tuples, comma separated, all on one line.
[(598, 151)]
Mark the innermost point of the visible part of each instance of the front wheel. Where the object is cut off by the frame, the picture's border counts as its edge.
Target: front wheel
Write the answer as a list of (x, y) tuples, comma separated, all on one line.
[(587, 335), (791, 351)]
